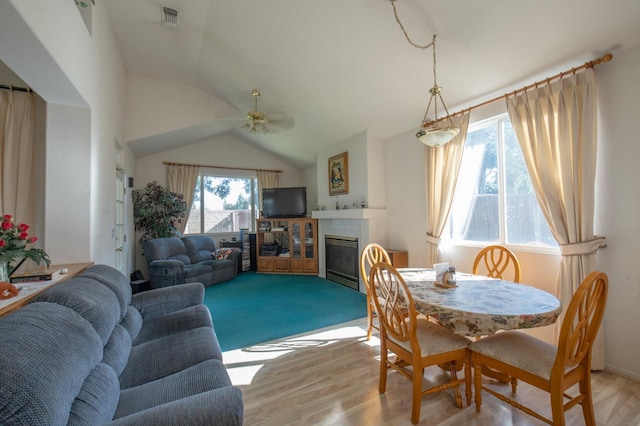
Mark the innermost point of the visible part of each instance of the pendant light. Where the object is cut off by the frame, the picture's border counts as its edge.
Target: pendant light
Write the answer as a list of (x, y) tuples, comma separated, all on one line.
[(432, 133)]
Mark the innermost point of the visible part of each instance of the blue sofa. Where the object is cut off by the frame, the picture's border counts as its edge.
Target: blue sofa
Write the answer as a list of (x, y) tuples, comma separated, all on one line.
[(87, 352), (173, 261)]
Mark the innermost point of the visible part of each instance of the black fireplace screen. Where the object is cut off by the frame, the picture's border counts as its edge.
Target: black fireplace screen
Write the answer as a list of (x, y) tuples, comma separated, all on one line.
[(341, 260)]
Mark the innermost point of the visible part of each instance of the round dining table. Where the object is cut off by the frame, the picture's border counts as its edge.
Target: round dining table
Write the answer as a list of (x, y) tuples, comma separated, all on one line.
[(479, 306)]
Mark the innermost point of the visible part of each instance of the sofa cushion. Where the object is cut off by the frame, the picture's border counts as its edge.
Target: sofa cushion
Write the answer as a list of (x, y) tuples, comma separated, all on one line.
[(162, 301), (132, 322), (43, 368), (202, 377), (199, 247), (222, 406), (117, 349), (196, 270), (165, 249), (92, 300), (175, 322), (218, 264), (114, 280), (97, 401), (161, 357)]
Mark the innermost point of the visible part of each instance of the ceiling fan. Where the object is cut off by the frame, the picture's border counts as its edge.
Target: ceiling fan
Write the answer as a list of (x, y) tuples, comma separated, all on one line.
[(258, 123)]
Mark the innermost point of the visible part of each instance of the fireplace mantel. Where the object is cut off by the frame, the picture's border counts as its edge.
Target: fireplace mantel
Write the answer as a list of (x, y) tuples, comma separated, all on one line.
[(350, 214)]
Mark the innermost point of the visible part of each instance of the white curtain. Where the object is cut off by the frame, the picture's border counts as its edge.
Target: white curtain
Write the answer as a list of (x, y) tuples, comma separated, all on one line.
[(556, 128), (182, 179), (17, 122), (442, 167), (266, 179)]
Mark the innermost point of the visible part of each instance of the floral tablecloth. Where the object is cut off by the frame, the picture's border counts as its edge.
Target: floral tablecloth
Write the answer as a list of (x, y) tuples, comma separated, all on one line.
[(480, 306)]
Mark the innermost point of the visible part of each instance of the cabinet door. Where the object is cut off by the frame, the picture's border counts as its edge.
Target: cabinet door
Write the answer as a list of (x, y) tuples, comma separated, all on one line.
[(297, 239), (265, 263), (309, 240), (310, 247), (281, 264)]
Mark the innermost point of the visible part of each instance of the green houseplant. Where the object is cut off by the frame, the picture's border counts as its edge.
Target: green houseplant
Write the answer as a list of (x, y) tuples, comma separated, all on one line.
[(156, 210)]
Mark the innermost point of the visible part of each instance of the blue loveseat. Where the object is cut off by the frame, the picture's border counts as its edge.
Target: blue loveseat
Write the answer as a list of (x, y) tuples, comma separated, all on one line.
[(173, 261), (87, 352)]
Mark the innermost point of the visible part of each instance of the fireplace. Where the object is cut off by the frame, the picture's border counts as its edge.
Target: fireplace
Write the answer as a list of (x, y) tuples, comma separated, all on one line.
[(341, 260)]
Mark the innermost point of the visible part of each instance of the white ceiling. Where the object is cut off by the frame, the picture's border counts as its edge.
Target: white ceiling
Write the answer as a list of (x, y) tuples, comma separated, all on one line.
[(338, 67)]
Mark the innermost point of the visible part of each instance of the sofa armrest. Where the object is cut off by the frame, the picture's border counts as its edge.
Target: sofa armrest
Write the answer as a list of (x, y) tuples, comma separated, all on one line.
[(221, 406), (161, 301), (236, 257), (165, 273)]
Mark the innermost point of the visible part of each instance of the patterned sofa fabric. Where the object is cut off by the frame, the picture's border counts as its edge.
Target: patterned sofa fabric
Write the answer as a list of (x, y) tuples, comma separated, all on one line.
[(87, 352), (188, 259)]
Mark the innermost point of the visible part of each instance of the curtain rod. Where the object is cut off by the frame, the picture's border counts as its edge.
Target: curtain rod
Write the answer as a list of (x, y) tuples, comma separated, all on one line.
[(17, 89), (590, 64), (221, 167)]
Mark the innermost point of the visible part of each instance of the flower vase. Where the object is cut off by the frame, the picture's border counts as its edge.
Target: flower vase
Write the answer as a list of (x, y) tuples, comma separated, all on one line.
[(4, 272)]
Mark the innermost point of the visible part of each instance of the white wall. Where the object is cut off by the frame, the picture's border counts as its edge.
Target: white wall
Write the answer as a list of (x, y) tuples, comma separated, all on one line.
[(81, 78), (366, 172), (618, 207), (406, 198), (67, 132), (310, 180)]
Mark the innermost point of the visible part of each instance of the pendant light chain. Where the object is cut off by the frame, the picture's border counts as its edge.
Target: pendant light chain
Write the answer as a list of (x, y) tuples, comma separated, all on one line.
[(419, 46), (435, 90)]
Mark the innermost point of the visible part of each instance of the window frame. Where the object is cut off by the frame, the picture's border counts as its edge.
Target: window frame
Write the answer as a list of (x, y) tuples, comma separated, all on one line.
[(230, 174), (446, 241)]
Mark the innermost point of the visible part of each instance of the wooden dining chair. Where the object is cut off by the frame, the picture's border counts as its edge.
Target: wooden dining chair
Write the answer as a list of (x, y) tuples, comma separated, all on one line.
[(416, 342), (545, 366), (496, 261), (371, 254)]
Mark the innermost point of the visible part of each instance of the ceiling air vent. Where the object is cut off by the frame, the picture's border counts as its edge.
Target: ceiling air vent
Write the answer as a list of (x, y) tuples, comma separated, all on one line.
[(169, 17)]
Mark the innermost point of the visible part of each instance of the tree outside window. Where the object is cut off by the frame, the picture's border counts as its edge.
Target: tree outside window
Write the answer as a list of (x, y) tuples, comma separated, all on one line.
[(223, 204)]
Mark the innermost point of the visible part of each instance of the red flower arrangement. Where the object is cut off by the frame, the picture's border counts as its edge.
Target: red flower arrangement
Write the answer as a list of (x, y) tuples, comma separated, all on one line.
[(13, 244)]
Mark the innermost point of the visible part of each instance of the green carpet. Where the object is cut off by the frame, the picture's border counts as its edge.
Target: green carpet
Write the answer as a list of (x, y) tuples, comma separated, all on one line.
[(255, 308)]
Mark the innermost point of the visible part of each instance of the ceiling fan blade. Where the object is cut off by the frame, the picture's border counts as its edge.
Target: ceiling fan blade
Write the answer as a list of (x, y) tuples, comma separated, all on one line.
[(281, 125)]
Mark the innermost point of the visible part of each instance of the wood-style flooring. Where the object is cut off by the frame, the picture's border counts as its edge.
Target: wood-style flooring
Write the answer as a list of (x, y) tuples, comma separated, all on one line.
[(330, 377)]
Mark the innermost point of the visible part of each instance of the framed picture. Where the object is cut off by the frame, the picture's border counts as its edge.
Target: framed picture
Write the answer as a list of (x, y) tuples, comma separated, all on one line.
[(339, 174)]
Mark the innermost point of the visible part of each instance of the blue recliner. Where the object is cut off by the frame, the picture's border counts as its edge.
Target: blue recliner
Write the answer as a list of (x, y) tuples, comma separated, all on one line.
[(188, 259)]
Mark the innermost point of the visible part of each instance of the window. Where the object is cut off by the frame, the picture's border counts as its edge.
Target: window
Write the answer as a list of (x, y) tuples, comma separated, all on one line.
[(223, 204), (494, 199)]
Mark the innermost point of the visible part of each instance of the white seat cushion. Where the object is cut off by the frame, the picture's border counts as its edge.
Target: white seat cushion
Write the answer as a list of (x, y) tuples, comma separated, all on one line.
[(519, 350), (435, 339)]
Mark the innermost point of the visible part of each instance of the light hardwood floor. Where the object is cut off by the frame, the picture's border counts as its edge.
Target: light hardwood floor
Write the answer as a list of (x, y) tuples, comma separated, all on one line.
[(330, 377)]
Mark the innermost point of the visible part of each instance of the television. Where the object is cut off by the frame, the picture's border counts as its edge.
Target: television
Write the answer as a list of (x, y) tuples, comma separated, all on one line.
[(284, 202)]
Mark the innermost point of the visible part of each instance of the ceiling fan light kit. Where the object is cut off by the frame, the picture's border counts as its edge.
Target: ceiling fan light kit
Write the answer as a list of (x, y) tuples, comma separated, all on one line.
[(432, 133), (256, 121)]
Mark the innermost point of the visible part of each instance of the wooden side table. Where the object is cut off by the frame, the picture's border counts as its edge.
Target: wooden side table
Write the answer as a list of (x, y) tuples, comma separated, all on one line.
[(29, 290), (399, 258)]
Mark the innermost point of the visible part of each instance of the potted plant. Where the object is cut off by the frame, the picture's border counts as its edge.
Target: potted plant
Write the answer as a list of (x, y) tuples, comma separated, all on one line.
[(156, 210)]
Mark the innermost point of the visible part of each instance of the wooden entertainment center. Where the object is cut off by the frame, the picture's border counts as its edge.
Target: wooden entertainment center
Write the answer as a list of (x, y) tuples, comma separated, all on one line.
[(287, 245)]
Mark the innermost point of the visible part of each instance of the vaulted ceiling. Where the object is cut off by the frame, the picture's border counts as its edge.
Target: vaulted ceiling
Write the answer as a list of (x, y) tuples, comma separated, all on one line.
[(338, 67)]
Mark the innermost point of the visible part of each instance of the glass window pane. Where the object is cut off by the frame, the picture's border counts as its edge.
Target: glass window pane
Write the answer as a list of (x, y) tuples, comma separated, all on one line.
[(223, 205), (475, 211), (193, 221), (525, 221)]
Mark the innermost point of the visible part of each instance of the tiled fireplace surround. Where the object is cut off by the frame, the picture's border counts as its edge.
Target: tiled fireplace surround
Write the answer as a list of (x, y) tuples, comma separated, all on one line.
[(367, 225)]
